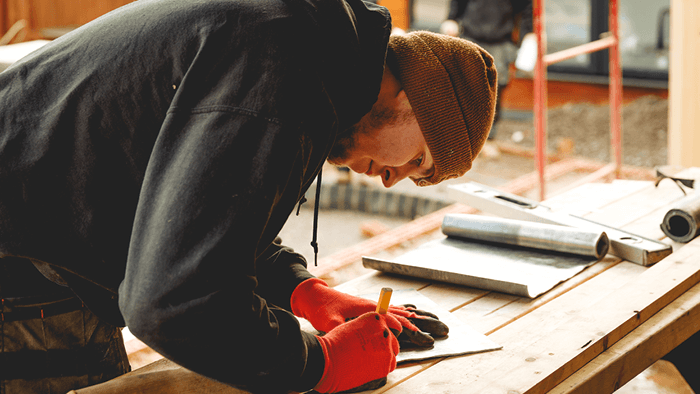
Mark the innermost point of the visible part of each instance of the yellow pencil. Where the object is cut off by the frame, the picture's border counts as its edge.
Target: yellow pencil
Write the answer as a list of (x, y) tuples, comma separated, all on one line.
[(384, 299)]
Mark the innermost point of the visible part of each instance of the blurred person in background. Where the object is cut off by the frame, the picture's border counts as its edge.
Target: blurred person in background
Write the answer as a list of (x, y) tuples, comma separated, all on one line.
[(498, 26)]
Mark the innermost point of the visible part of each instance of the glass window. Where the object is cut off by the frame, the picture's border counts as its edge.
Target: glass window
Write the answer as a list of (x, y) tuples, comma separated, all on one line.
[(644, 33), (568, 24), (428, 14)]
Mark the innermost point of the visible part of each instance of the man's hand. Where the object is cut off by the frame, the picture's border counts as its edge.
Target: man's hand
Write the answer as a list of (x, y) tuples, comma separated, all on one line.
[(449, 27), (358, 352), (527, 53), (326, 309)]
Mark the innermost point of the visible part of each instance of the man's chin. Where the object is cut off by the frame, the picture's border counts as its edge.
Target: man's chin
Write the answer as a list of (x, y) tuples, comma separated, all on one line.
[(336, 161), (339, 155)]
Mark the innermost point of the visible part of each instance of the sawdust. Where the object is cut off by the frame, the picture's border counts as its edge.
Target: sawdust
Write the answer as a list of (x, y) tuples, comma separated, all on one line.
[(584, 130)]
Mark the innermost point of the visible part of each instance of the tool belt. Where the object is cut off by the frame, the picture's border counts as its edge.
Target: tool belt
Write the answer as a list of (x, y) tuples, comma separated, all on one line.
[(68, 351), (12, 311)]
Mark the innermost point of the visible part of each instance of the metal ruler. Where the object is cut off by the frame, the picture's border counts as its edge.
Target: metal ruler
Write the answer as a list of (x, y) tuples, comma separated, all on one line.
[(628, 246)]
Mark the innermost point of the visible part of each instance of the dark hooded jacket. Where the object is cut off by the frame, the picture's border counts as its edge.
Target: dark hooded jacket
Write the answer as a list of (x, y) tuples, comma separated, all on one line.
[(151, 157), (492, 21)]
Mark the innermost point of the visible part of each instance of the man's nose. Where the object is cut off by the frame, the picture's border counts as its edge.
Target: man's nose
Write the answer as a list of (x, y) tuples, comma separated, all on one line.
[(392, 175)]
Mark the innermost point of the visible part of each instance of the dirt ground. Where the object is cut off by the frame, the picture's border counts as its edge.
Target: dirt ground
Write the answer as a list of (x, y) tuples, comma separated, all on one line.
[(584, 130)]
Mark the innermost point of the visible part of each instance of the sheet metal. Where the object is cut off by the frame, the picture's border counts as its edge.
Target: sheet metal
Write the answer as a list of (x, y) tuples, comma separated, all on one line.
[(504, 268), (527, 234), (628, 246)]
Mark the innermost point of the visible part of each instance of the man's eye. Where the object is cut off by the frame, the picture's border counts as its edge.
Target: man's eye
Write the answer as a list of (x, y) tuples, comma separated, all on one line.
[(419, 161)]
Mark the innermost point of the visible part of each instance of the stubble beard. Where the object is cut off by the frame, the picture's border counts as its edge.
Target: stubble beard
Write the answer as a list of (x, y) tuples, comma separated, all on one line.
[(379, 116)]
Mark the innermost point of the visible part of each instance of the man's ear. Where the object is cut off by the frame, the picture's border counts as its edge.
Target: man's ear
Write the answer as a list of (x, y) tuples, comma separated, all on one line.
[(390, 85), (402, 99), (402, 95)]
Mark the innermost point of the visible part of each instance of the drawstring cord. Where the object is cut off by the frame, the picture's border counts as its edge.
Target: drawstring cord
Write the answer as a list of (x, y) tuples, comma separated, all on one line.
[(314, 244)]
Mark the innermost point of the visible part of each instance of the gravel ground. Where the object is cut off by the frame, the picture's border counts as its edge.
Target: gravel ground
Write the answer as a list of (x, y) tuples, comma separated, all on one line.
[(584, 129)]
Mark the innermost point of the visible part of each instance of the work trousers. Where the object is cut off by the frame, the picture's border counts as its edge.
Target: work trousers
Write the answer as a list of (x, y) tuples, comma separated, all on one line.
[(50, 342), (504, 54)]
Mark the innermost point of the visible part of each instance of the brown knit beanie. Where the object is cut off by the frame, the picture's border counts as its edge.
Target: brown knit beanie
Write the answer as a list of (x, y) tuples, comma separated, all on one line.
[(451, 84)]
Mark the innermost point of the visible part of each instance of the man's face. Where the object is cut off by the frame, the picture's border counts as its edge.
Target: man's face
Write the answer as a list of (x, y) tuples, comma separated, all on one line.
[(388, 143)]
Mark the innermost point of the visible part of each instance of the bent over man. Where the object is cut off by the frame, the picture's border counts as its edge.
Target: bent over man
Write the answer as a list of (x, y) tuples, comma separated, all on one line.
[(149, 159)]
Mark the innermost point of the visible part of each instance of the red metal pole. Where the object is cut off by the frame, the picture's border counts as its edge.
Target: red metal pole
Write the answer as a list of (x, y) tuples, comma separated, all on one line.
[(615, 69), (594, 46), (540, 93)]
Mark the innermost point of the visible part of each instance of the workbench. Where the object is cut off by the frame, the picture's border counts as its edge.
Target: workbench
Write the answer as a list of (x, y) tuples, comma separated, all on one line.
[(589, 334)]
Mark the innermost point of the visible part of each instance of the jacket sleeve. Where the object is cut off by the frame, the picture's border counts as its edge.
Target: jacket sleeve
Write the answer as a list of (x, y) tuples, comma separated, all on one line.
[(216, 181), (457, 9), (232, 158), (523, 8), (280, 270)]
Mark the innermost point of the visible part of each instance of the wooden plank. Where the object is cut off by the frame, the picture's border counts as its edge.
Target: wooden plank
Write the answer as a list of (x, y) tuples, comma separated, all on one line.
[(476, 313), (532, 327), (684, 84), (488, 312), (536, 357), (639, 349), (493, 320), (646, 200), (592, 197), (622, 311)]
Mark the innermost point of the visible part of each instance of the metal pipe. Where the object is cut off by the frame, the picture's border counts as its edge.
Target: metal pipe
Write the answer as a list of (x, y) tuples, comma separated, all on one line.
[(682, 222), (628, 246), (527, 234)]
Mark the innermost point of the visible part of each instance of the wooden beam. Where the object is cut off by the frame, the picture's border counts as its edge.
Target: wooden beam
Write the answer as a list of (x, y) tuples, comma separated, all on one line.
[(631, 355), (529, 363), (684, 84)]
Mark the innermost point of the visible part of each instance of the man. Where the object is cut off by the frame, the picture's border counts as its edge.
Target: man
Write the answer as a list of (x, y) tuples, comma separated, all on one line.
[(491, 24), (149, 159)]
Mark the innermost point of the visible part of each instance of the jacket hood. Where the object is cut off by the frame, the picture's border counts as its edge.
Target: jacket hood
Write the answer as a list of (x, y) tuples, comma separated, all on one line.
[(363, 27)]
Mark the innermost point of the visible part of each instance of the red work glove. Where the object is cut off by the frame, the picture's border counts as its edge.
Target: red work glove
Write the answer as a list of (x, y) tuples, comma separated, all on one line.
[(327, 308), (358, 352)]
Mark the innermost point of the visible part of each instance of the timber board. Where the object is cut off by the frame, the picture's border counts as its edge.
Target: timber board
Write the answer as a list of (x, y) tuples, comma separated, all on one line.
[(592, 197), (544, 346), (639, 349), (623, 212)]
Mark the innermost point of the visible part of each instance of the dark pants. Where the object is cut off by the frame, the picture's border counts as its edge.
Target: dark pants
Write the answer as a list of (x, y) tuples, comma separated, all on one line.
[(504, 54), (50, 342), (685, 358)]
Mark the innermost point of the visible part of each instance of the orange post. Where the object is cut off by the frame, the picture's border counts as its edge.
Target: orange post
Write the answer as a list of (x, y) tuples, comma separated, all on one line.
[(540, 93), (400, 13), (615, 71), (610, 42)]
